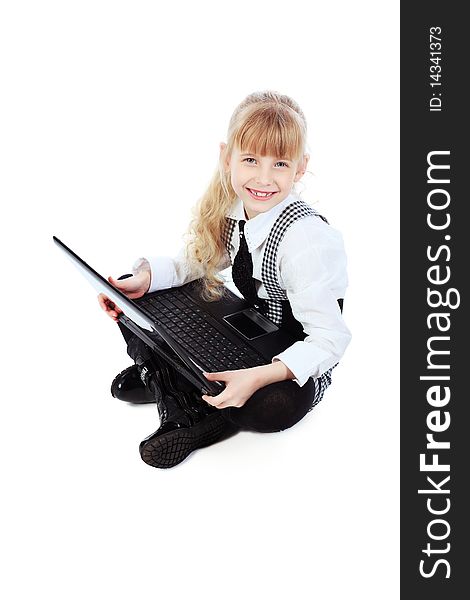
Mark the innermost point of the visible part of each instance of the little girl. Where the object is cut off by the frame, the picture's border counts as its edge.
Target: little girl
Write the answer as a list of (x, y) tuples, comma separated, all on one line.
[(286, 260)]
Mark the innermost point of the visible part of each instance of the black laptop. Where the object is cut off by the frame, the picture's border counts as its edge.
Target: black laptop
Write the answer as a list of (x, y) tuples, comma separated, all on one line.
[(194, 335)]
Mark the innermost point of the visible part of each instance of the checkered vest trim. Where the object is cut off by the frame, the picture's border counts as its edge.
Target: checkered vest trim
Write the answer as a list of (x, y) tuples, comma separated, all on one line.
[(292, 213), (227, 234)]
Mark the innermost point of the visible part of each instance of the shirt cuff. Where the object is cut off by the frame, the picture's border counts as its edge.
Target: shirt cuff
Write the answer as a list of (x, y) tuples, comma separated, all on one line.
[(162, 271), (305, 360)]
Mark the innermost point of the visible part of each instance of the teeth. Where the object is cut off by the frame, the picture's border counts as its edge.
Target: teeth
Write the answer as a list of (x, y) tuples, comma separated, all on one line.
[(261, 194)]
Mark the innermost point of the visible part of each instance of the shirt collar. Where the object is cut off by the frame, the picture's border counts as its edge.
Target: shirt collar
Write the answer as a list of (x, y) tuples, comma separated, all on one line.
[(257, 229)]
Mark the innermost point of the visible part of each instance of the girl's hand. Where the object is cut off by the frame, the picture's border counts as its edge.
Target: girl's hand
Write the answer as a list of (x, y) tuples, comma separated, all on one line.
[(240, 385), (133, 287)]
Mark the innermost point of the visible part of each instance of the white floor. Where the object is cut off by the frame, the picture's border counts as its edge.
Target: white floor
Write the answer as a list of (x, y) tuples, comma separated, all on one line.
[(308, 512), (112, 120)]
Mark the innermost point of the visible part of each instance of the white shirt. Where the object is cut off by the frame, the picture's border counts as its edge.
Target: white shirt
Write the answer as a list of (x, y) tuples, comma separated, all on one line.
[(311, 267)]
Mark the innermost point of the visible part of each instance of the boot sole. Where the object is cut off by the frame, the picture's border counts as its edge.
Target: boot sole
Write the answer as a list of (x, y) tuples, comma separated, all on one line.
[(169, 449)]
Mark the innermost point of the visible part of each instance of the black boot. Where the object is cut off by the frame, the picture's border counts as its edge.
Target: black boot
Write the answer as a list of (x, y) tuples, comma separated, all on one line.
[(129, 385), (186, 423), (159, 380)]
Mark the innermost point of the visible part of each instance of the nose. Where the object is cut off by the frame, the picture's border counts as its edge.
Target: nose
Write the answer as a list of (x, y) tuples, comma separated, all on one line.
[(264, 176)]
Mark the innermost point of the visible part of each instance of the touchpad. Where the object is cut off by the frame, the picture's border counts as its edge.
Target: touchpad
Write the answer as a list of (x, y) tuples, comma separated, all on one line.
[(250, 323)]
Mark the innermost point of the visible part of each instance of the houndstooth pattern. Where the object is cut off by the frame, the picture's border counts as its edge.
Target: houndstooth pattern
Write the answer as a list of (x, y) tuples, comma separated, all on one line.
[(295, 211), (227, 233), (321, 383)]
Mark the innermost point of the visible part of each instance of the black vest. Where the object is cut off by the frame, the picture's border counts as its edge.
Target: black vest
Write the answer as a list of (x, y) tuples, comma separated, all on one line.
[(277, 307)]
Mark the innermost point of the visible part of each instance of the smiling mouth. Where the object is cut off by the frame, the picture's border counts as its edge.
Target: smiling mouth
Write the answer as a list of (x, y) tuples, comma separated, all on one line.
[(260, 195)]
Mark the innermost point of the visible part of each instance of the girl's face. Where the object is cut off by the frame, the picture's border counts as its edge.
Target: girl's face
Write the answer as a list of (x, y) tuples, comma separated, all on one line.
[(261, 182)]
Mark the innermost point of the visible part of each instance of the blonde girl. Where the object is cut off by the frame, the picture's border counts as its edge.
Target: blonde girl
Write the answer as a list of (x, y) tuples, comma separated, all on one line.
[(286, 260)]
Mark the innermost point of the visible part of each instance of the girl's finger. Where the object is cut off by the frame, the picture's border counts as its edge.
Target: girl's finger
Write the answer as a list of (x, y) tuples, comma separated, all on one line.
[(115, 311), (129, 289), (120, 285), (104, 305), (220, 376), (217, 401), (109, 307), (207, 399), (213, 400)]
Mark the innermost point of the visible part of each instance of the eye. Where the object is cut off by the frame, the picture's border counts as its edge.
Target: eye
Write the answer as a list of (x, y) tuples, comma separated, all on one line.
[(249, 158), (283, 163)]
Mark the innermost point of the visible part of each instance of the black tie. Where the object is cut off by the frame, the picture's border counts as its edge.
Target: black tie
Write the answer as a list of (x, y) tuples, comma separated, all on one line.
[(242, 270)]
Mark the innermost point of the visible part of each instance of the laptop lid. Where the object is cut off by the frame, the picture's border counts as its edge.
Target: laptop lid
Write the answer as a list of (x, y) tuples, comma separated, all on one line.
[(102, 285), (134, 313)]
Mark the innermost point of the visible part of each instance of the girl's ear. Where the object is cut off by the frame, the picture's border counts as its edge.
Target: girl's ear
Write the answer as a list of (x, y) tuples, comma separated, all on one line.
[(225, 160), (302, 167)]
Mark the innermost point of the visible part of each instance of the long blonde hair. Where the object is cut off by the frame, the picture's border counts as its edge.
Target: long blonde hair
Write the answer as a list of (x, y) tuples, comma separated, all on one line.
[(264, 123)]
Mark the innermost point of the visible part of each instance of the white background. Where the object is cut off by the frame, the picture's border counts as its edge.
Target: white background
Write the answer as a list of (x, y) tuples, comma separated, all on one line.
[(111, 117)]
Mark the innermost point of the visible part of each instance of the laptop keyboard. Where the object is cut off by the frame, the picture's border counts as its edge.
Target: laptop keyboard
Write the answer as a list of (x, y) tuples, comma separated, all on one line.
[(187, 323)]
